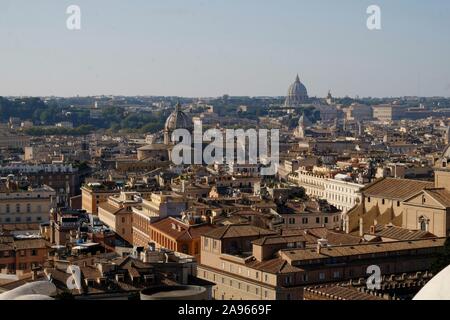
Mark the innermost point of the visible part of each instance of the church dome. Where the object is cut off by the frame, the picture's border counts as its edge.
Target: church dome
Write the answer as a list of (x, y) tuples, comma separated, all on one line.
[(297, 94), (178, 120)]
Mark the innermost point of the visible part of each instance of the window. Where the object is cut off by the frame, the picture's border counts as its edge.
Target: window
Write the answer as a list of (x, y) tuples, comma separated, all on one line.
[(123, 219), (28, 208), (368, 199), (257, 275), (336, 274), (305, 220), (423, 223), (265, 278), (214, 244), (383, 201), (321, 276), (34, 252), (326, 220), (22, 253), (7, 208), (398, 203), (266, 294), (206, 242), (18, 208), (317, 220)]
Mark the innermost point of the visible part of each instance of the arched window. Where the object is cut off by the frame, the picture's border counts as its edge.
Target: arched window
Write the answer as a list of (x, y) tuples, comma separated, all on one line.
[(423, 223)]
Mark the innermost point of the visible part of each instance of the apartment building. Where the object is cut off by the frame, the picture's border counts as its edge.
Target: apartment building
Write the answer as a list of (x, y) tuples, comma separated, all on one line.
[(117, 213), (160, 205), (64, 225), (64, 179), (309, 214), (178, 236), (21, 256), (92, 194), (26, 204), (248, 263), (388, 113)]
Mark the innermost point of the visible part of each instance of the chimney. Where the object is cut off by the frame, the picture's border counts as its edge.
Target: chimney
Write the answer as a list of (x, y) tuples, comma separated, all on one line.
[(361, 227), (319, 248), (321, 243)]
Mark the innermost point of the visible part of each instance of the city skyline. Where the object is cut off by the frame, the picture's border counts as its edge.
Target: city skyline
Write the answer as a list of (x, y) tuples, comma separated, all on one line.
[(207, 49)]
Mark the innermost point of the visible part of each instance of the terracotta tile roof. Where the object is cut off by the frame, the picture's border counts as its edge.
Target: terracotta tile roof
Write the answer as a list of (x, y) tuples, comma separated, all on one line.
[(334, 238), (236, 231), (397, 233), (279, 240), (90, 272), (391, 188), (30, 244), (340, 293), (274, 266), (178, 230), (440, 195), (19, 227), (361, 249)]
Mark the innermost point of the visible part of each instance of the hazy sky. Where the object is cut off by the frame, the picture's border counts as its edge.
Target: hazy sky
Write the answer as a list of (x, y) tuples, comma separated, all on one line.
[(215, 47)]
